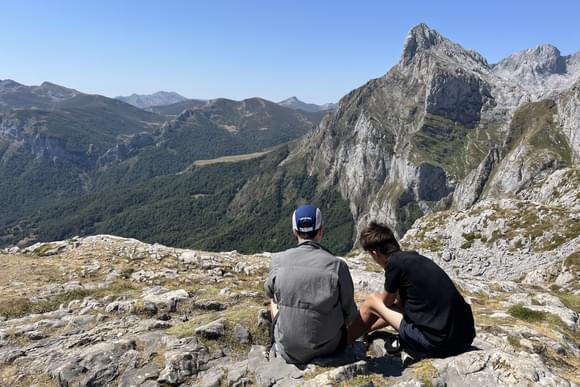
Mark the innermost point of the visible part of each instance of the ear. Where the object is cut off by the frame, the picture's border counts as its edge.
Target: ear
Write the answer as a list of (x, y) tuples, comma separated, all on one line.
[(320, 234), (379, 257)]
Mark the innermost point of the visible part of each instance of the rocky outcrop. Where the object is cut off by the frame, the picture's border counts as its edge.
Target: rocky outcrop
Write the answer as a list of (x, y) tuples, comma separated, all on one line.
[(78, 324)]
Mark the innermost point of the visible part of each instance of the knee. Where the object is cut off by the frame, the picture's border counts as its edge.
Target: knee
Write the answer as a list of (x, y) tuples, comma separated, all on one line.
[(370, 302)]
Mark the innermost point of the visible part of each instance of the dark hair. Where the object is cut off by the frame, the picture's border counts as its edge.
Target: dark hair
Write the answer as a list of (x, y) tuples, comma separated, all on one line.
[(379, 237), (308, 235)]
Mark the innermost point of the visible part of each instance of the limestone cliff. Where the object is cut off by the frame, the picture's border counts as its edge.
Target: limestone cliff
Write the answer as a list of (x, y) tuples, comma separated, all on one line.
[(443, 128)]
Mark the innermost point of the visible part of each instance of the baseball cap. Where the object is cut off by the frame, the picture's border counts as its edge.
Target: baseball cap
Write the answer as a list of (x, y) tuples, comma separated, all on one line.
[(307, 218)]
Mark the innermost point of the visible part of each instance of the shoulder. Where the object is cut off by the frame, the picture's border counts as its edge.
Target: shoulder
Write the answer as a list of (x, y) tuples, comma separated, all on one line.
[(282, 255), (402, 256)]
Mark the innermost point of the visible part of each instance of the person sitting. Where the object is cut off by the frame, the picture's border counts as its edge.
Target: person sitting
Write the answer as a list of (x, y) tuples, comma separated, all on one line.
[(430, 315), (311, 292)]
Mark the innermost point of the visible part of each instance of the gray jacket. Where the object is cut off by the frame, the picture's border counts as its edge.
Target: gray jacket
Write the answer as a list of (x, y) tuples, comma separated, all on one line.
[(315, 297)]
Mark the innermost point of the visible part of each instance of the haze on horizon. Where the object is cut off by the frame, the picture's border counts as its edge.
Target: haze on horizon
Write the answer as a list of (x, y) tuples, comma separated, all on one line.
[(317, 51)]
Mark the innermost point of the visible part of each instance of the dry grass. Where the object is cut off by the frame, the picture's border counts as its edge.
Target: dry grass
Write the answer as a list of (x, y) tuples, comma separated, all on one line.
[(231, 159), (244, 313), (9, 376), (425, 372), (21, 306)]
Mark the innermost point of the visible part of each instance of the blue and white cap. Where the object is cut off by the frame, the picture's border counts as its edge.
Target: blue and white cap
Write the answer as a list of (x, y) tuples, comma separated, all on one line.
[(307, 218)]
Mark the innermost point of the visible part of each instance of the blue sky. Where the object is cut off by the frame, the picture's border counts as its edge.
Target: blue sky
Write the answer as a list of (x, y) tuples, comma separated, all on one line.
[(316, 50)]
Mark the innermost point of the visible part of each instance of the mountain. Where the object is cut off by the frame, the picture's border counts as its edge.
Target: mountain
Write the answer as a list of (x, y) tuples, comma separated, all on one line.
[(175, 109), (219, 128), (474, 164), (441, 130), (52, 138), (160, 98), (296, 104), (14, 95), (82, 147)]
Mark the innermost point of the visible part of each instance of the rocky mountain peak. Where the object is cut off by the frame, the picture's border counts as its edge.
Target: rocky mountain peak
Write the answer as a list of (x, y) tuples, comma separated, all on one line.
[(55, 91), (293, 99), (160, 98), (422, 39), (297, 104), (8, 84), (542, 59)]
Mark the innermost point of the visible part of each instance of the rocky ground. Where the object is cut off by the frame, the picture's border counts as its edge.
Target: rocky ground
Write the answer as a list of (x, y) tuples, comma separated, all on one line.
[(104, 310)]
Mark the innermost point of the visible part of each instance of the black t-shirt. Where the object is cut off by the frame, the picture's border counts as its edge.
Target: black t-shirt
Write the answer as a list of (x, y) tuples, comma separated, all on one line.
[(430, 300)]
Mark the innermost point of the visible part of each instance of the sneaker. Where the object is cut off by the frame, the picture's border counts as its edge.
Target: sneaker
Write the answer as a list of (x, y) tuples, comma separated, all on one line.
[(407, 359), (393, 345)]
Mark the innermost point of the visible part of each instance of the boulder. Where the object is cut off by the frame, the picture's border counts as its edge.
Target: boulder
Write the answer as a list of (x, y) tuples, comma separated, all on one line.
[(242, 334), (97, 365), (165, 301), (213, 330), (137, 376), (182, 361)]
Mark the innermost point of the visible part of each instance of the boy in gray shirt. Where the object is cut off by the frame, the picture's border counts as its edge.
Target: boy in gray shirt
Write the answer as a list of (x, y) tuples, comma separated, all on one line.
[(311, 292)]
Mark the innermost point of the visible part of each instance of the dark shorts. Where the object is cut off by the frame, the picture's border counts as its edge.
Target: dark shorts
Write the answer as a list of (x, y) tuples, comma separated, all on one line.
[(413, 338)]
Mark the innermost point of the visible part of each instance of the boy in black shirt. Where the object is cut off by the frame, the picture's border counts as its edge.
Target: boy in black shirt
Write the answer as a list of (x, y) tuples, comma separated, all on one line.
[(419, 300)]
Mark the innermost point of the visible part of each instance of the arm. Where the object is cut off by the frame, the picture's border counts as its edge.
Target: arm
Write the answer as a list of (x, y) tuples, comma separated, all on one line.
[(269, 285), (346, 288), (387, 298)]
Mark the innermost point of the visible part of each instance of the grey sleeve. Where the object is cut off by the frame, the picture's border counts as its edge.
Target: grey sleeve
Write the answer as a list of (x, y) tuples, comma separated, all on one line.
[(269, 284), (349, 309)]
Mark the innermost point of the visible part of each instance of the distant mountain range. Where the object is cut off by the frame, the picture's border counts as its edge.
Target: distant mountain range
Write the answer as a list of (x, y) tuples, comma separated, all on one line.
[(171, 103), (161, 98), (57, 144), (296, 104)]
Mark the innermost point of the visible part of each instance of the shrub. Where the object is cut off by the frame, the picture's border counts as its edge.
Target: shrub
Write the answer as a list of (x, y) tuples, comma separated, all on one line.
[(525, 314)]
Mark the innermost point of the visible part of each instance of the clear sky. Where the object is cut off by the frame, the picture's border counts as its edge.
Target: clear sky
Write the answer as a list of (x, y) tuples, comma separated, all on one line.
[(316, 50)]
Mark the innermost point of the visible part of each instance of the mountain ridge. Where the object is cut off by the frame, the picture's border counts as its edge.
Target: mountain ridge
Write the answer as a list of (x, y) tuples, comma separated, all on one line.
[(160, 98), (296, 104)]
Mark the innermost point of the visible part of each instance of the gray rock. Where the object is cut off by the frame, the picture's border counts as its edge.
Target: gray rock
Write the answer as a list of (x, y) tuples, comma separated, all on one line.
[(264, 318), (494, 367), (82, 321), (242, 334), (210, 305), (213, 330), (237, 373), (272, 371), (96, 365), (120, 307), (211, 378), (36, 335), (158, 324), (150, 383), (188, 257), (182, 361), (339, 374), (137, 376), (166, 301), (9, 356)]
